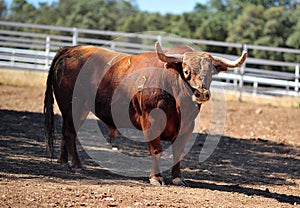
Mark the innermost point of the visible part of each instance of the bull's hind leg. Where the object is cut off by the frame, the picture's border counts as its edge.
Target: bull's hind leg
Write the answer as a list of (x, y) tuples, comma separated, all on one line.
[(70, 136), (112, 137), (68, 143)]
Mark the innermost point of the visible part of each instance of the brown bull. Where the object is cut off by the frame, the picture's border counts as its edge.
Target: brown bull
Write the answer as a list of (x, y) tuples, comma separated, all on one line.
[(88, 78)]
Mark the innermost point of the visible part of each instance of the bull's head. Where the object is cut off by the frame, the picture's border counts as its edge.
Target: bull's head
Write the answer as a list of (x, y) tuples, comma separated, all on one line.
[(198, 68)]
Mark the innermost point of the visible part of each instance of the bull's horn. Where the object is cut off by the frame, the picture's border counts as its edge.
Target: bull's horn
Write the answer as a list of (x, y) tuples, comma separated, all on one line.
[(228, 63), (174, 58)]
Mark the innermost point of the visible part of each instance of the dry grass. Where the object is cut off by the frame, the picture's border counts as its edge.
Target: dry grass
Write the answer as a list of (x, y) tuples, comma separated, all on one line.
[(23, 78), (276, 101)]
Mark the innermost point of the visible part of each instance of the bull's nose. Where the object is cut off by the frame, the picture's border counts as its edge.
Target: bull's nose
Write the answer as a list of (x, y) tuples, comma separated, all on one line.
[(207, 94), (202, 95), (197, 94)]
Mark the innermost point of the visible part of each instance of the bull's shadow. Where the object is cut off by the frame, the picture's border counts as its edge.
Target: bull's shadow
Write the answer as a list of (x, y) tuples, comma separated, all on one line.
[(235, 162), (245, 161), (240, 162)]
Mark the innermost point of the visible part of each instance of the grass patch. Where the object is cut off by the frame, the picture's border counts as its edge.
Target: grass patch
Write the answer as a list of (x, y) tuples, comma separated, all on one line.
[(23, 78), (276, 101)]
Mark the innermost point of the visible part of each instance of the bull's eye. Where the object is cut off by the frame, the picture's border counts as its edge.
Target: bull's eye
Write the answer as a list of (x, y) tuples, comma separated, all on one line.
[(187, 74)]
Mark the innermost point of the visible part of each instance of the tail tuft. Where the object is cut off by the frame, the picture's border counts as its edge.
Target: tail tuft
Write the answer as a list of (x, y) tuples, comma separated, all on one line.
[(49, 114)]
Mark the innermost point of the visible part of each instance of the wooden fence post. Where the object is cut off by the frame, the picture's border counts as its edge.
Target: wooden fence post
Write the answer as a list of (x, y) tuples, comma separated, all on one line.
[(241, 82), (47, 51), (112, 45), (235, 81), (12, 58), (255, 86), (297, 78), (75, 36)]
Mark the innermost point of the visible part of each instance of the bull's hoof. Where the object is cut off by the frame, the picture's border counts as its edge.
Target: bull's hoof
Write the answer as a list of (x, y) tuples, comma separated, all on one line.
[(66, 167), (77, 166), (157, 181), (79, 171), (179, 182)]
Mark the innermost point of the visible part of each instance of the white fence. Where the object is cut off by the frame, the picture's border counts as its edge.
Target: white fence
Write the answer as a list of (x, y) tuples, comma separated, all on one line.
[(35, 51)]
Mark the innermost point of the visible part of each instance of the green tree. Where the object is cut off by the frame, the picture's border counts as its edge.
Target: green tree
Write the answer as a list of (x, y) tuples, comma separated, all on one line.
[(293, 40), (277, 28), (84, 14), (214, 28), (65, 8), (180, 26), (248, 26), (3, 9), (261, 22), (22, 11), (153, 22), (128, 13), (46, 14), (218, 5), (95, 14), (134, 23), (265, 3)]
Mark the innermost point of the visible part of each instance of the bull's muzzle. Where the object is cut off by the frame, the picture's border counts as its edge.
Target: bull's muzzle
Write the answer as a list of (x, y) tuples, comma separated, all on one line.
[(201, 96)]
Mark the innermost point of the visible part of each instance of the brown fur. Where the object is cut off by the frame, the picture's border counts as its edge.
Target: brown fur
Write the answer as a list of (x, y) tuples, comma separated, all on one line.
[(94, 64)]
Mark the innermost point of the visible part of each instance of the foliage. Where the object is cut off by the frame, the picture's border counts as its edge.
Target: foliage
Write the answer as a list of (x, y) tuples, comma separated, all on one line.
[(3, 9), (258, 22)]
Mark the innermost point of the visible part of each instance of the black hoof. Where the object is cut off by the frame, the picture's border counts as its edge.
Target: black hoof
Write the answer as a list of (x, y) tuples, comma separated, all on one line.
[(179, 182)]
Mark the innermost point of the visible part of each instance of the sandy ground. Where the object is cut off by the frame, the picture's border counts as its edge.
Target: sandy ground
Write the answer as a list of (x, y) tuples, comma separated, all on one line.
[(256, 162)]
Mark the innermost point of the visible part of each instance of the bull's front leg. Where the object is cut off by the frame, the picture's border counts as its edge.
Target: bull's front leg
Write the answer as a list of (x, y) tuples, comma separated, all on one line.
[(152, 129), (155, 152), (178, 147)]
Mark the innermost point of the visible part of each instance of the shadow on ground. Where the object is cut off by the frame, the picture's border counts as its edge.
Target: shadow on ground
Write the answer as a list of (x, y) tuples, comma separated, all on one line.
[(235, 163)]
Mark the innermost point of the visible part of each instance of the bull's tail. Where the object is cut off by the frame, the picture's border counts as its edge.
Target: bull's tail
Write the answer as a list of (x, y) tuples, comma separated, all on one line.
[(49, 101), (48, 104), (48, 111)]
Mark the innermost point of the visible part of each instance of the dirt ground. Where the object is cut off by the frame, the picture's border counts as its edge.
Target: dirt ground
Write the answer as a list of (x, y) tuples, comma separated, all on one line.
[(256, 163)]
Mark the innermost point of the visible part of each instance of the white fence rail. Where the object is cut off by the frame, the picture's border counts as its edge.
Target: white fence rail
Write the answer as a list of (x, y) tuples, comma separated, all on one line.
[(35, 51)]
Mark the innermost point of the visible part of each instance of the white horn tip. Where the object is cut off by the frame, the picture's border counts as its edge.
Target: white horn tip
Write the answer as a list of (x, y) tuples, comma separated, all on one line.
[(157, 46), (245, 49)]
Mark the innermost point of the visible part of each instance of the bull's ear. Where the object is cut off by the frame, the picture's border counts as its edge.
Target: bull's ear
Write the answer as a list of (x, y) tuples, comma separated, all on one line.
[(170, 58), (175, 66), (220, 68)]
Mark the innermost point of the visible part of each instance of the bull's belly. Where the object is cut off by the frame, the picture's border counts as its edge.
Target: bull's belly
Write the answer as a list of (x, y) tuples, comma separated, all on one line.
[(115, 117), (132, 120)]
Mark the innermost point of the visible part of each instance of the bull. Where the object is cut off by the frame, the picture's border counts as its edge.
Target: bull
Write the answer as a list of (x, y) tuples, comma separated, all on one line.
[(97, 73)]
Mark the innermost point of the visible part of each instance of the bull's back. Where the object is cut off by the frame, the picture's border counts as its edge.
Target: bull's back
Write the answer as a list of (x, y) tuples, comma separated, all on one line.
[(71, 60), (88, 62)]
